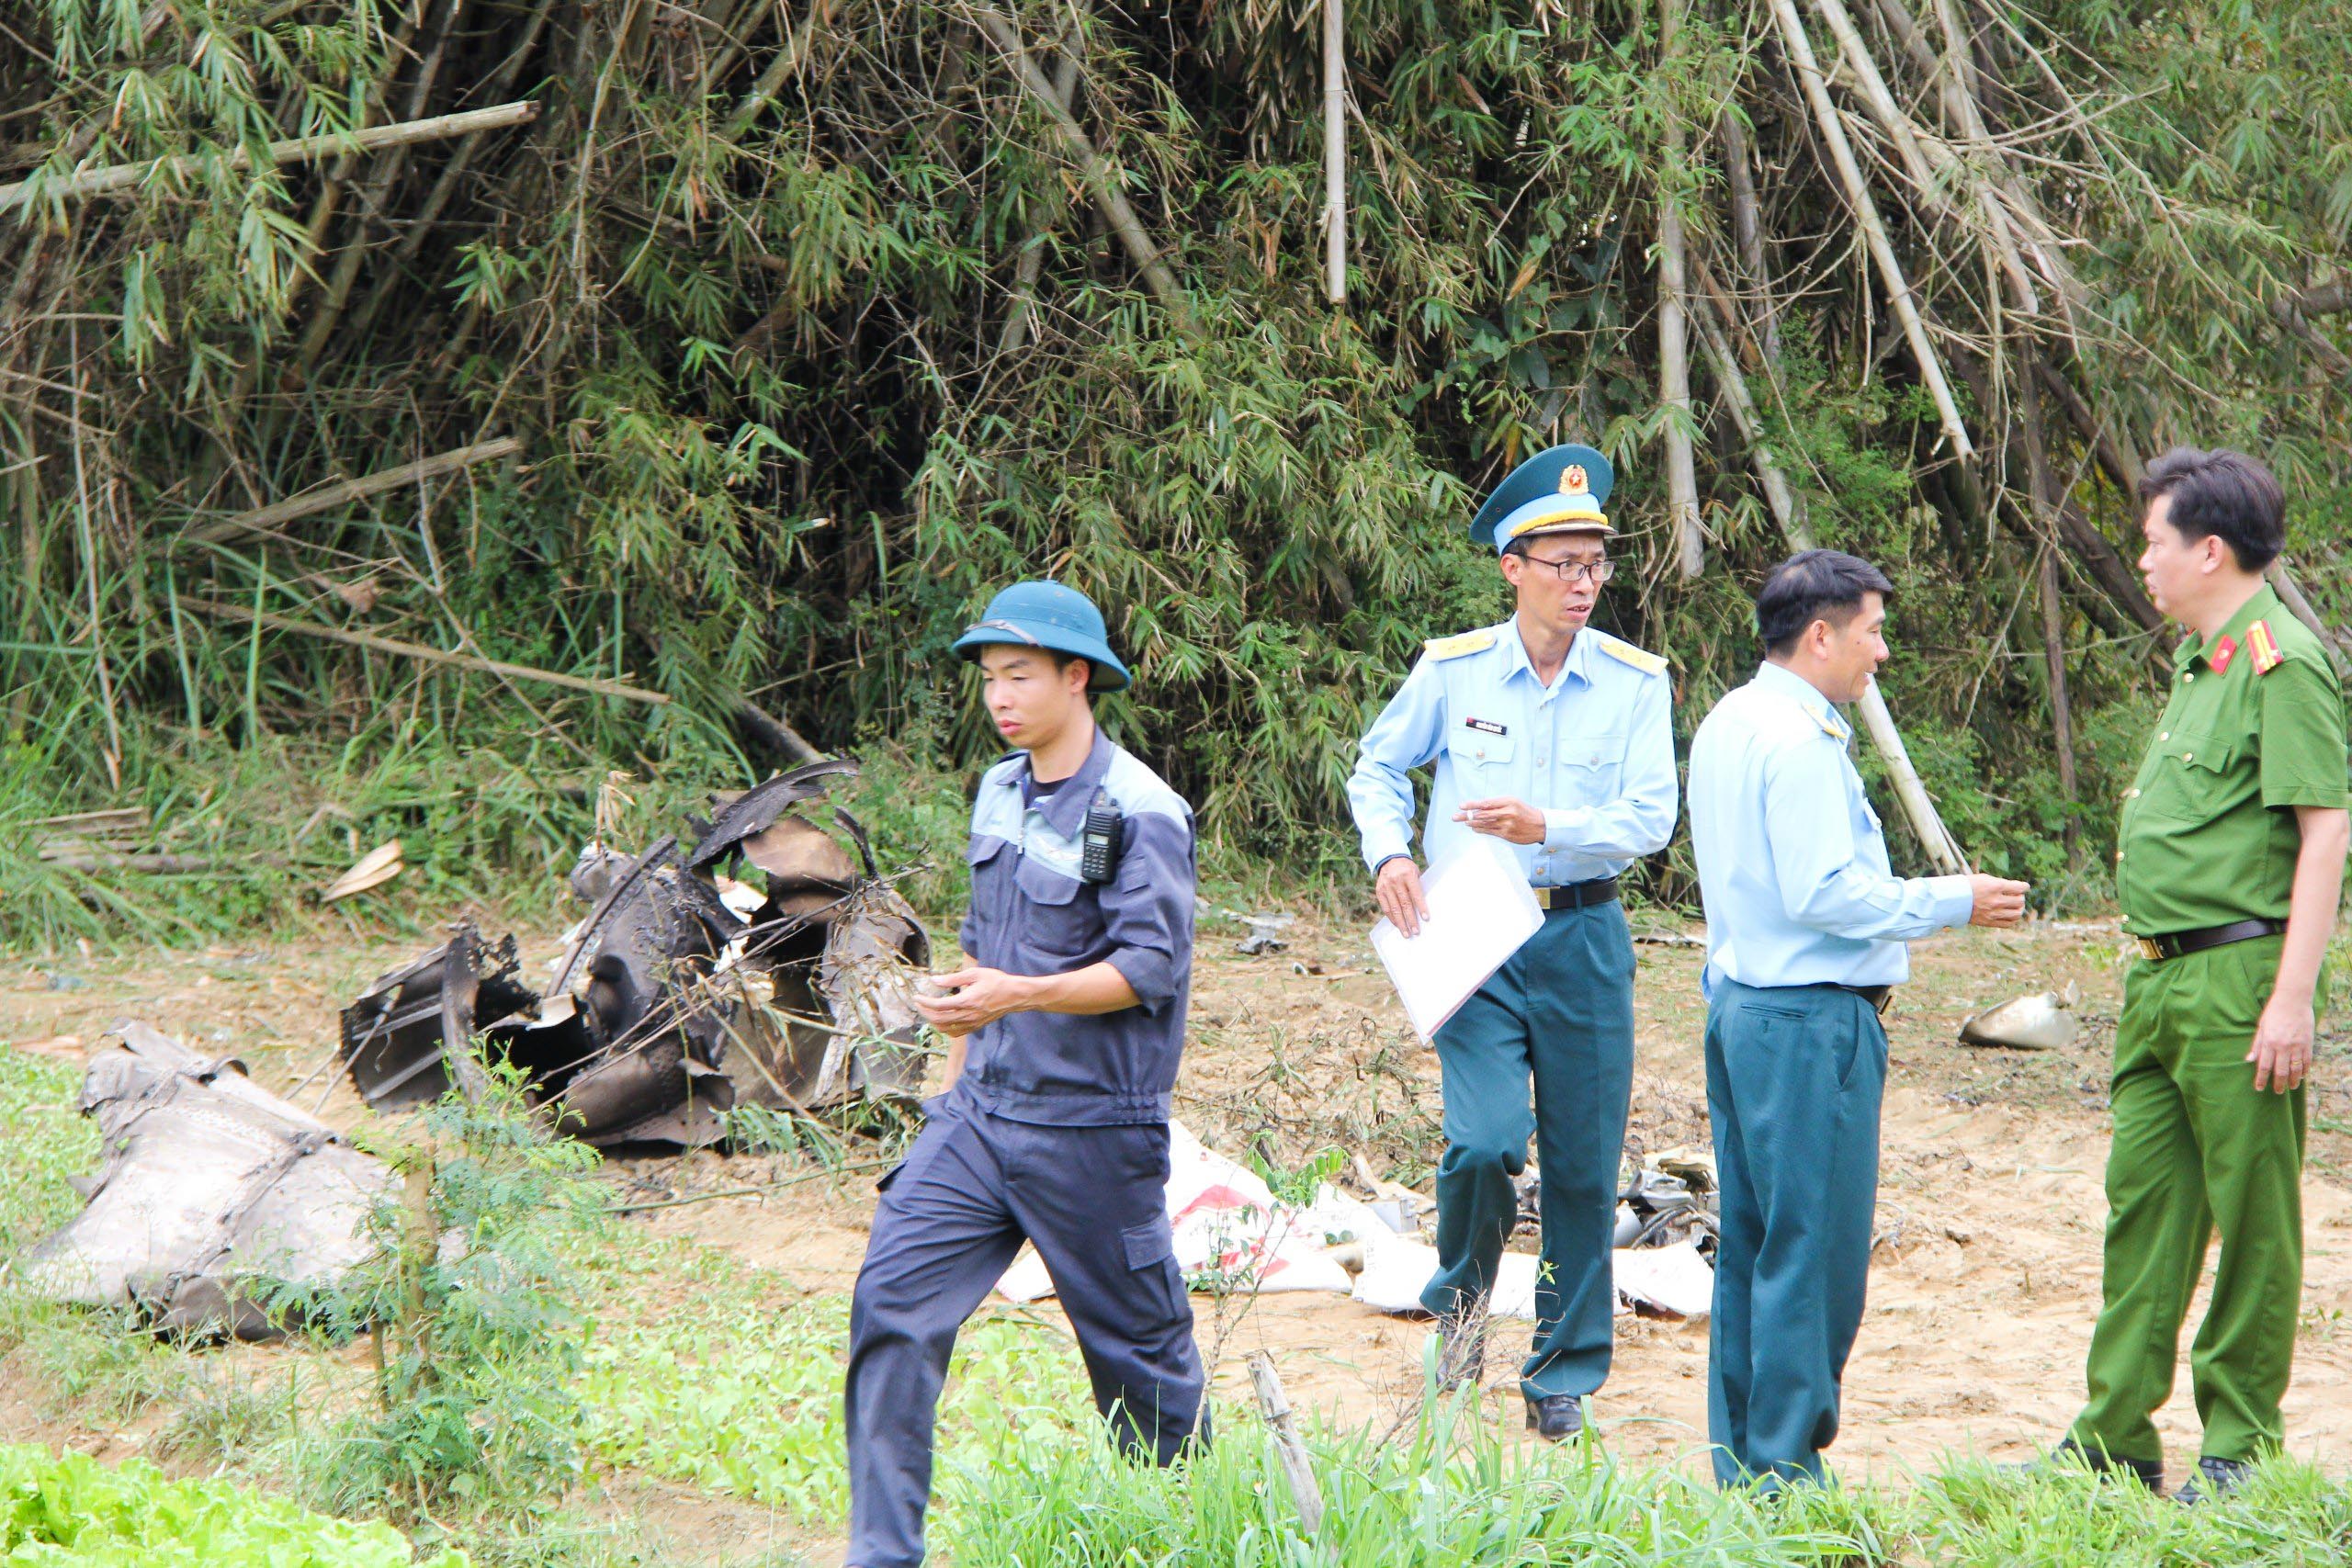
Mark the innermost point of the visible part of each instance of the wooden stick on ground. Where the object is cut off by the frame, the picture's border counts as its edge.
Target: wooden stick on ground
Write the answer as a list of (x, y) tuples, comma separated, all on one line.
[(122, 177), (1882, 249), (420, 651), (1297, 1469), (325, 497)]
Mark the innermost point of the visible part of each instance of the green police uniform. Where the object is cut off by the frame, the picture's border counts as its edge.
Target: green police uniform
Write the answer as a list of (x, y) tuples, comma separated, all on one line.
[(2254, 727)]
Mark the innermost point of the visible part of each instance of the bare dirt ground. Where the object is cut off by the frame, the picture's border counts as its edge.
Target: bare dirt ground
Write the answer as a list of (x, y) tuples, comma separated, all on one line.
[(1990, 1211)]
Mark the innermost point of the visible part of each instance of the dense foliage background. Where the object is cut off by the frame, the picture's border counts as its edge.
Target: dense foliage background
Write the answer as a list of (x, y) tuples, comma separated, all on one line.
[(812, 322)]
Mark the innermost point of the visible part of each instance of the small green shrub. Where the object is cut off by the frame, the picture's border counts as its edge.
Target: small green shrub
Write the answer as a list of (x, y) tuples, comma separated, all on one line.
[(474, 1301)]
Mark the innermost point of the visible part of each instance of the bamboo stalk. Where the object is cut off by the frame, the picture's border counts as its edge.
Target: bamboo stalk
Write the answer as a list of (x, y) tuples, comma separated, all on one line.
[(2043, 486), (1335, 155), (1100, 178), (1918, 807), (2283, 583), (1673, 346), (325, 498), (1929, 162), (301, 149), (788, 59), (428, 655), (1032, 264), (1747, 230), (354, 253), (1882, 249), (113, 753)]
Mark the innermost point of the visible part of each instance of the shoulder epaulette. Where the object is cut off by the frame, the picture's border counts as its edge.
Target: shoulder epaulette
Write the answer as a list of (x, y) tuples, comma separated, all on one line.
[(1624, 652), (2263, 647), (1461, 643)]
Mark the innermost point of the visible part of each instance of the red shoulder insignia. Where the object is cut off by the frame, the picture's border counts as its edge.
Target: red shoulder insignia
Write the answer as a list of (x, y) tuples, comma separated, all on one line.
[(2221, 654), (2263, 649)]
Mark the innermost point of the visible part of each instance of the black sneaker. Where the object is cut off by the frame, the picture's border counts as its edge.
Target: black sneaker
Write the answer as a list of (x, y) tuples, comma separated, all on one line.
[(1556, 1418), (2148, 1472), (2215, 1479)]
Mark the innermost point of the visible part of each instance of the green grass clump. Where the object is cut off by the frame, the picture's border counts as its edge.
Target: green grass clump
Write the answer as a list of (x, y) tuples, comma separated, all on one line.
[(70, 1509), (48, 1140), (751, 1405)]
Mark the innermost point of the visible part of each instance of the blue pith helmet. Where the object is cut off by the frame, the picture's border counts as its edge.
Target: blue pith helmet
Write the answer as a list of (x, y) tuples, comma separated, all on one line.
[(1047, 615), (1559, 490)]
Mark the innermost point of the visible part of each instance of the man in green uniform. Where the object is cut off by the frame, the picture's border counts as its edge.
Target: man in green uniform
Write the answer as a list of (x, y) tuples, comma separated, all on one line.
[(2230, 867)]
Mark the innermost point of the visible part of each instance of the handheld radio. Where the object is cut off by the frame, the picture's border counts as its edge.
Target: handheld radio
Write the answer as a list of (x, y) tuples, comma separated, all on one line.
[(1101, 840)]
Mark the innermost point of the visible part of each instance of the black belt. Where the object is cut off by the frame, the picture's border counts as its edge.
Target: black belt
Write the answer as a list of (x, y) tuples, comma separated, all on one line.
[(2173, 944), (1577, 895), (1877, 996)]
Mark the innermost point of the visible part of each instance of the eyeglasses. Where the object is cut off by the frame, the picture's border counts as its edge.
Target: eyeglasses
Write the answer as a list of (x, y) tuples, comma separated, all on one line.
[(1599, 571)]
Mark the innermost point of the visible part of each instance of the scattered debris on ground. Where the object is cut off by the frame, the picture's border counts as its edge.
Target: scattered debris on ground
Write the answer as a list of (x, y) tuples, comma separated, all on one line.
[(2044, 1022), (1233, 1237), (208, 1184), (684, 992)]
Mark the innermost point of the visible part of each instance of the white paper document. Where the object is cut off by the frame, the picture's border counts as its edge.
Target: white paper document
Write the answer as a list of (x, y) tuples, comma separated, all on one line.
[(1481, 909)]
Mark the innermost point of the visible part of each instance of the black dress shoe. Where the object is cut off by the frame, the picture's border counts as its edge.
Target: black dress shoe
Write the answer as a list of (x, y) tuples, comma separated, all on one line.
[(2215, 1479), (2148, 1472), (1556, 1418), (1461, 1348)]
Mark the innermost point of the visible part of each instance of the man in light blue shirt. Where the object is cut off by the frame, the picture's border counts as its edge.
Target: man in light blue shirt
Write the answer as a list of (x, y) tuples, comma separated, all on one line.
[(1558, 740), (1805, 932)]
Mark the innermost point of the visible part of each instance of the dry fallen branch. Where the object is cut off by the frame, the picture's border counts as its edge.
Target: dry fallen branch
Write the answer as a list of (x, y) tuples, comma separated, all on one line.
[(122, 177), (327, 497), (420, 651)]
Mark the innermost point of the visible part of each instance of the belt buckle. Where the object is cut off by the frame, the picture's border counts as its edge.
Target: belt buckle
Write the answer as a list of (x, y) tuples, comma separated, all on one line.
[(1543, 896), (2149, 950), (1885, 1003)]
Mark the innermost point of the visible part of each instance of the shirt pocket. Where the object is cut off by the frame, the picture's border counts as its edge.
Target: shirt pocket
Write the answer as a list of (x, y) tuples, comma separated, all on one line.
[(991, 875), (1481, 757), (2187, 779), (1057, 922), (1590, 767)]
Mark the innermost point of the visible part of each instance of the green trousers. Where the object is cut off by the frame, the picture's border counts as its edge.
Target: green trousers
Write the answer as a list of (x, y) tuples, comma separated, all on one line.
[(2198, 1148), (1795, 1075), (1559, 1015)]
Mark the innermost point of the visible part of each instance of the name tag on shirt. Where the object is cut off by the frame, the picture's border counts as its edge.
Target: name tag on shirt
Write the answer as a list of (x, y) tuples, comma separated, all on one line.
[(1485, 727)]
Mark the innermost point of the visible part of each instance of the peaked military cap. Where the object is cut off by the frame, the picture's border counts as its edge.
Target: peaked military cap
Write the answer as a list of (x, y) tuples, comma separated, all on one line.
[(1559, 490)]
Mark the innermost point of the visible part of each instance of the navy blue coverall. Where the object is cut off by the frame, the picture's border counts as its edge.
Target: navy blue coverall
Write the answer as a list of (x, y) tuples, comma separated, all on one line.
[(1055, 1133)]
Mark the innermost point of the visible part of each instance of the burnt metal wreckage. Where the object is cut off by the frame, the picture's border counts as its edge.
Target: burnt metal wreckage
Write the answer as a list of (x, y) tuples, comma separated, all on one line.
[(684, 993)]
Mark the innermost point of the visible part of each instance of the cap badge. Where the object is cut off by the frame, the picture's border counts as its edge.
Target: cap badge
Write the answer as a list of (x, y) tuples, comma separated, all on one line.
[(1573, 480)]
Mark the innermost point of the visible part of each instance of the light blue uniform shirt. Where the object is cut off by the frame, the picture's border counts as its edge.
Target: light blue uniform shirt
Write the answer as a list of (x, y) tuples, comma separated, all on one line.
[(1793, 865), (1593, 751)]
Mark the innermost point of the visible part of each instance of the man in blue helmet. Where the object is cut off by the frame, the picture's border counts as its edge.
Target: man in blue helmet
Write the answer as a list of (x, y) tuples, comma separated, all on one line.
[(1064, 1029), (1558, 739)]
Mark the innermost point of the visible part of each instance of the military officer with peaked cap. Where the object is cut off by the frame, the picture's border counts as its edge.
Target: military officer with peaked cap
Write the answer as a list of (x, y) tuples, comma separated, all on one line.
[(1064, 1034), (1557, 738)]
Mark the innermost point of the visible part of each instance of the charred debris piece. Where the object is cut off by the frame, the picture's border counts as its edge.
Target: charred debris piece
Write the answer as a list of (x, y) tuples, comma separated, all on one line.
[(685, 991), (207, 1183)]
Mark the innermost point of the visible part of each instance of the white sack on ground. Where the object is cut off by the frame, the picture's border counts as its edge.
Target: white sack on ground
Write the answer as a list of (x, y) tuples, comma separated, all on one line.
[(1231, 1236)]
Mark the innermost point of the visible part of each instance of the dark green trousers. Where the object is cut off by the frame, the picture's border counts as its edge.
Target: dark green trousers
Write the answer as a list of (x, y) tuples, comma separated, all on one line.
[(2197, 1146), (1794, 1078), (1560, 1014)]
